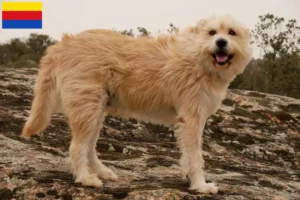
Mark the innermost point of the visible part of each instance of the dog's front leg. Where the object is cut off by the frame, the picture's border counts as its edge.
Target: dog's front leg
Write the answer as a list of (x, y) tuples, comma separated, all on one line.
[(189, 135)]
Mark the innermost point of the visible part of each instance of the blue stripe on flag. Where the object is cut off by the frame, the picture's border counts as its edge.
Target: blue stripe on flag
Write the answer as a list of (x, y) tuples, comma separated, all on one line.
[(22, 24)]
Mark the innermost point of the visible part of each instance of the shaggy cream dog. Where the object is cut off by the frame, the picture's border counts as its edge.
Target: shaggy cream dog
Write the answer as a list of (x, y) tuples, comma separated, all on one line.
[(177, 79)]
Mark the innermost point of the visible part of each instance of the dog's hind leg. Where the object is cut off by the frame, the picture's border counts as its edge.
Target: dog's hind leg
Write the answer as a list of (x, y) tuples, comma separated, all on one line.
[(84, 107), (95, 164)]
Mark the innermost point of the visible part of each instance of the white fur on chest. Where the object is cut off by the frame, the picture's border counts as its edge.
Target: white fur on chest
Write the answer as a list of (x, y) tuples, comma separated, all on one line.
[(210, 100)]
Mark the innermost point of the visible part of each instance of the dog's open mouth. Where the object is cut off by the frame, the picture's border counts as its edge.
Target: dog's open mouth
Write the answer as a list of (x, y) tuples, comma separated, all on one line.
[(222, 58)]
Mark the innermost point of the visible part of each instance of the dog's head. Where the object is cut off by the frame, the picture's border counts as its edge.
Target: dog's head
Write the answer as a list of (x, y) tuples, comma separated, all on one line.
[(221, 45)]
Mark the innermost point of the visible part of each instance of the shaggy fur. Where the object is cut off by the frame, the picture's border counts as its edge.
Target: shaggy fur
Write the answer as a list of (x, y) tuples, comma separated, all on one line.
[(171, 79)]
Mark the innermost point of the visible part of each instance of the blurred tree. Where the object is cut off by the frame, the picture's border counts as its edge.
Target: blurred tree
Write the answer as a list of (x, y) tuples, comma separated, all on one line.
[(278, 70), (143, 32), (37, 45), (275, 37), (12, 51), (23, 50), (127, 32), (172, 28)]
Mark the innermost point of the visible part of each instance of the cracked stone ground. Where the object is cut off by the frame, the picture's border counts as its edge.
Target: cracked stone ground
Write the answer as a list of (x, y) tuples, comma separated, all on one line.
[(251, 148)]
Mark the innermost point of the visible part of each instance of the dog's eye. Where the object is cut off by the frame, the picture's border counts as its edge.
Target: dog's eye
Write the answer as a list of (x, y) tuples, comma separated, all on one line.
[(212, 32), (232, 32)]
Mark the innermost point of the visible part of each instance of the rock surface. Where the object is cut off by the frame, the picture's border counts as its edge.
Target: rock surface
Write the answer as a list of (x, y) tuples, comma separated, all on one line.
[(251, 148)]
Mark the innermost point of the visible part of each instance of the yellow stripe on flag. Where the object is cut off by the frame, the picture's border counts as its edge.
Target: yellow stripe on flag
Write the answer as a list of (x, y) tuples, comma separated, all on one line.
[(21, 6)]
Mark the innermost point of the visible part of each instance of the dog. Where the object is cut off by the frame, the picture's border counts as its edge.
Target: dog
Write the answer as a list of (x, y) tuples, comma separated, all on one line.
[(178, 79)]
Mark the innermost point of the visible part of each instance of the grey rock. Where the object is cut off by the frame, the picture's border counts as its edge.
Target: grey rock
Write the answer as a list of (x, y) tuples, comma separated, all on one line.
[(251, 148)]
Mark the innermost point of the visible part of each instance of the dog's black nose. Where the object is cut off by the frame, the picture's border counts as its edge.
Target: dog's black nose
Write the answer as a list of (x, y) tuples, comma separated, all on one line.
[(221, 43)]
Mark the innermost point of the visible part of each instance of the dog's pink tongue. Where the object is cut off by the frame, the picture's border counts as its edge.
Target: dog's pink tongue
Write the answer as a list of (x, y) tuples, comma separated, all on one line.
[(221, 58)]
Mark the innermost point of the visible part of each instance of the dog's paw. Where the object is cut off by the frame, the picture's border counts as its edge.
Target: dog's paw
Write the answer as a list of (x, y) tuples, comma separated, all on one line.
[(107, 174), (26, 137), (110, 175), (206, 188), (91, 180)]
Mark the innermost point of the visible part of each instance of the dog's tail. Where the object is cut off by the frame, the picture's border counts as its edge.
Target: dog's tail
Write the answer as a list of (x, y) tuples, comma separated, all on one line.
[(44, 99)]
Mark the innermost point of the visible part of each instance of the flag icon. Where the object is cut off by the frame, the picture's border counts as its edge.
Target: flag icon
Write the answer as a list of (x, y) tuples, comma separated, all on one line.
[(22, 15)]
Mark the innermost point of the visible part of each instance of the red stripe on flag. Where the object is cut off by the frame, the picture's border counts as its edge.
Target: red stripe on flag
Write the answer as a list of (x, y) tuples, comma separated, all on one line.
[(21, 15)]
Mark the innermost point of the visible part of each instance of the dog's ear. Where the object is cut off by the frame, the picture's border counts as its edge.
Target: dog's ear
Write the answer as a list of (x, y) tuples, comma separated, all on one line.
[(246, 32), (195, 29), (201, 24)]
